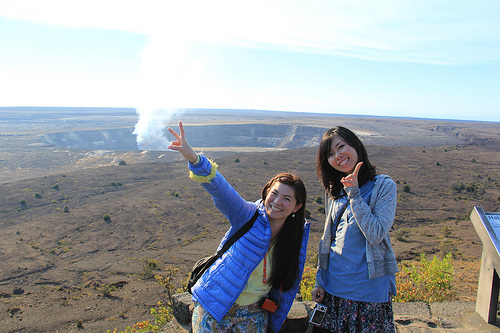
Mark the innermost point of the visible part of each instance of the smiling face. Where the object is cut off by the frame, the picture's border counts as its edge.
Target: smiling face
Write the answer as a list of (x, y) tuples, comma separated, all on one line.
[(342, 157), (280, 202)]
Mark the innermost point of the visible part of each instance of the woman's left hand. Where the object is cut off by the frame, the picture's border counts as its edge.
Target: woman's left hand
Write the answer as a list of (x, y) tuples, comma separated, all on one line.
[(352, 179), (181, 144)]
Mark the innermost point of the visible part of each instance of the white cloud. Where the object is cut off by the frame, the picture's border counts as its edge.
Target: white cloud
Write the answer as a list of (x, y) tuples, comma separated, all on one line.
[(181, 66), (415, 31), (46, 88)]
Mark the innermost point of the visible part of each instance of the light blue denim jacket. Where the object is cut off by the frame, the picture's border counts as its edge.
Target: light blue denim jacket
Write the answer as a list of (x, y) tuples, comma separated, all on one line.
[(375, 221)]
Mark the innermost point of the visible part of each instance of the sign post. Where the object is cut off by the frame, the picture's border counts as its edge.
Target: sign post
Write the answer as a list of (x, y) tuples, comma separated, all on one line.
[(487, 226)]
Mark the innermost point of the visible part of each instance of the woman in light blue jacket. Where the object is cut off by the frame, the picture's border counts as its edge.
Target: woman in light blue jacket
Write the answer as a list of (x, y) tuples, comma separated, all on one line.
[(356, 270), (265, 263)]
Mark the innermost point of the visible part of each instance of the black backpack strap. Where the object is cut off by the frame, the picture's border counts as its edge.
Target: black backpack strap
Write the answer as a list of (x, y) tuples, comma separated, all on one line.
[(203, 264), (237, 235)]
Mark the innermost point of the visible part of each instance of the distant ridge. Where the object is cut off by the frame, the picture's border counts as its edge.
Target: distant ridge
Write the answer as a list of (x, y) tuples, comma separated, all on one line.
[(63, 109)]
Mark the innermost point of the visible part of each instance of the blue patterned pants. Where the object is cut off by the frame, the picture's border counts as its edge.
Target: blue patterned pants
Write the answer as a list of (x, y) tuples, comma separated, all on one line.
[(239, 319)]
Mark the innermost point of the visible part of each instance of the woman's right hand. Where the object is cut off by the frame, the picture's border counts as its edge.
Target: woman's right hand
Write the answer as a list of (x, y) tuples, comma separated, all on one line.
[(318, 293), (181, 145)]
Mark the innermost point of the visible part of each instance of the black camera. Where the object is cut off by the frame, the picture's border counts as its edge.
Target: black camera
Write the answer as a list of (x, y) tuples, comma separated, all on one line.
[(318, 314), (268, 304)]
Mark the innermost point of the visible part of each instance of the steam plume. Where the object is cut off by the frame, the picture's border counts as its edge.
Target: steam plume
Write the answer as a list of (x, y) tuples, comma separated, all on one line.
[(151, 128), (169, 78)]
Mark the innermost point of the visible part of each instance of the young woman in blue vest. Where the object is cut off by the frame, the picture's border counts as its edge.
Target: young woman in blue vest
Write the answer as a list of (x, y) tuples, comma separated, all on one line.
[(267, 261), (357, 266)]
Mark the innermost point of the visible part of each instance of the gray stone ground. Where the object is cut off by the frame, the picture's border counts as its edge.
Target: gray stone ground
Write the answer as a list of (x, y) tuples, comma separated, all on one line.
[(453, 316), (415, 317)]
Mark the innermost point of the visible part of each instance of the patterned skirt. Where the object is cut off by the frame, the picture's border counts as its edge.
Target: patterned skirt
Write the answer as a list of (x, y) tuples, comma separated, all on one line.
[(239, 319), (345, 315)]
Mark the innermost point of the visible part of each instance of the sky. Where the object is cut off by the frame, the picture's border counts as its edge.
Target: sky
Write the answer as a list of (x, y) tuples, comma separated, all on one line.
[(425, 59)]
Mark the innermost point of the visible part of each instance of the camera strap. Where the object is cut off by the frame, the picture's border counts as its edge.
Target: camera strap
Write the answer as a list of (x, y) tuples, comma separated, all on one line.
[(264, 269), (264, 275)]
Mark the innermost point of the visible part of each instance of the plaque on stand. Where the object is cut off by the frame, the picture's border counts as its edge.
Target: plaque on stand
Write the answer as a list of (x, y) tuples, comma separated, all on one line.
[(487, 226)]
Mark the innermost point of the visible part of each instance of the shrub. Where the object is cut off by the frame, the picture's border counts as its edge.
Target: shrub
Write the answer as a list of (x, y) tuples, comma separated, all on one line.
[(163, 314), (107, 291), (318, 200), (321, 209), (106, 217), (237, 160), (406, 188), (458, 187), (148, 266), (401, 233), (122, 162), (424, 281), (38, 195), (471, 187), (446, 231), (56, 187), (22, 202), (448, 246), (307, 282)]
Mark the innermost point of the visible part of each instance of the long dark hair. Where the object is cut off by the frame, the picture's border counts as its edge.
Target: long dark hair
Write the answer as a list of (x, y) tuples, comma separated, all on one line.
[(285, 260), (329, 176)]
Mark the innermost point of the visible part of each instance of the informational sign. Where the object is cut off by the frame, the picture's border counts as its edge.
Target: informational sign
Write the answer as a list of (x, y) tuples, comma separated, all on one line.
[(494, 219), (494, 228), (487, 226)]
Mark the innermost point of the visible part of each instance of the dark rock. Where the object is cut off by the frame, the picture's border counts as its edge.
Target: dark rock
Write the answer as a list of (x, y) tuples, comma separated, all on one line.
[(297, 319), (183, 308), (175, 327)]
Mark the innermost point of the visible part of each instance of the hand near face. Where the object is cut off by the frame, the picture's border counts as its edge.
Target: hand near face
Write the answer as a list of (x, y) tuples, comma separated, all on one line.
[(352, 179)]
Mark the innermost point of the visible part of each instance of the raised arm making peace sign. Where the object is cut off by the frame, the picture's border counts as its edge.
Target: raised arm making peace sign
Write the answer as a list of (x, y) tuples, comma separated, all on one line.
[(181, 145), (264, 265)]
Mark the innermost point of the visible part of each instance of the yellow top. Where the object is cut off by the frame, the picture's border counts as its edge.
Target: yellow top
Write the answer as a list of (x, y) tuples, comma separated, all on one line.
[(255, 288)]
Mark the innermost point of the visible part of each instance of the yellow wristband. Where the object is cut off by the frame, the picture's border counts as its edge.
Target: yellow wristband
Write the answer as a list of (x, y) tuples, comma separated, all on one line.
[(205, 179)]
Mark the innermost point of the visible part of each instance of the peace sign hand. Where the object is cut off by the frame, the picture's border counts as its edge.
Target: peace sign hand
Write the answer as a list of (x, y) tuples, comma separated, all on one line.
[(181, 145), (352, 179)]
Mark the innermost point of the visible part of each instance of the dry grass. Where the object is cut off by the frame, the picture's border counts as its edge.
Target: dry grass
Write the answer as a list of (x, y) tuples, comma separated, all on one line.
[(465, 279), (58, 256)]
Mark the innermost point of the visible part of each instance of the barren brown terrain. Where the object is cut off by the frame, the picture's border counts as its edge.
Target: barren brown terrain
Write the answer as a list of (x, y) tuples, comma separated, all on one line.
[(57, 250)]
